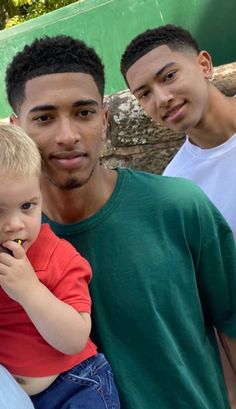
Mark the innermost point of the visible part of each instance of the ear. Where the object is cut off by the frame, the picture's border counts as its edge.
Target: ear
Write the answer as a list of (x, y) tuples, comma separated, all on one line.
[(14, 119), (205, 62), (105, 121)]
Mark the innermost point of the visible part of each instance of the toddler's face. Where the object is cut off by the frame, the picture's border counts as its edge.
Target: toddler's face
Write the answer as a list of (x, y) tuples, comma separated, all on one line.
[(20, 209)]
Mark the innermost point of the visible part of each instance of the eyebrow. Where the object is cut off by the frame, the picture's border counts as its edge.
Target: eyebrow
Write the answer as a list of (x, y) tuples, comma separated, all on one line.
[(85, 102), (158, 73), (32, 199), (48, 107)]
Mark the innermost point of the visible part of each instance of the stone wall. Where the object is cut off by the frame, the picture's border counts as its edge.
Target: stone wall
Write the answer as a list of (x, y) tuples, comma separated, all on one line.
[(133, 140)]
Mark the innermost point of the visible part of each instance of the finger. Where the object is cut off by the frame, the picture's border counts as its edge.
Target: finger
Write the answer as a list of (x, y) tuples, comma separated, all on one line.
[(3, 268), (4, 249), (15, 249)]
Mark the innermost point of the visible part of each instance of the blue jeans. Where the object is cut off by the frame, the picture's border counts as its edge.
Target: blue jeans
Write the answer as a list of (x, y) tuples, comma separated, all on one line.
[(89, 385)]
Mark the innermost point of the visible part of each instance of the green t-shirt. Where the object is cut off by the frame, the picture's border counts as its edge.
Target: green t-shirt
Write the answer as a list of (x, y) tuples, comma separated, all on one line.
[(164, 272)]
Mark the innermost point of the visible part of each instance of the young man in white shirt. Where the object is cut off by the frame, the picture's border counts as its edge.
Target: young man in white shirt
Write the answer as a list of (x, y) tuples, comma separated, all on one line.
[(171, 78)]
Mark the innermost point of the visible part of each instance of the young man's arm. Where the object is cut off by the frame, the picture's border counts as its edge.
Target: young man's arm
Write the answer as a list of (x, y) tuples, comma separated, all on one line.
[(229, 345)]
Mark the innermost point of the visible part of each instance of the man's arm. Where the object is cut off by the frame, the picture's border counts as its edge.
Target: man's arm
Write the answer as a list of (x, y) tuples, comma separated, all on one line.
[(229, 345)]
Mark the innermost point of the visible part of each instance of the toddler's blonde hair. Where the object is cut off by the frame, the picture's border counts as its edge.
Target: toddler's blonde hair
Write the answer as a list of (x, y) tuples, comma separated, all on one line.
[(19, 154)]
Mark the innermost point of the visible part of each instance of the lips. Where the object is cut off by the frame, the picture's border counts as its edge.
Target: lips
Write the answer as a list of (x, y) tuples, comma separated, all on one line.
[(175, 113), (68, 160), (67, 155)]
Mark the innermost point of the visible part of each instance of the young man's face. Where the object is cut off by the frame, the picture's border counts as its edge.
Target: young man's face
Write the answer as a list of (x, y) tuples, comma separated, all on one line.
[(63, 113), (20, 208), (171, 86)]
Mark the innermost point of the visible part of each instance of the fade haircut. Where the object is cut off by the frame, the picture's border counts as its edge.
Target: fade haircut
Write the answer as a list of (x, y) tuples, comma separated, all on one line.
[(176, 38), (19, 155), (51, 55)]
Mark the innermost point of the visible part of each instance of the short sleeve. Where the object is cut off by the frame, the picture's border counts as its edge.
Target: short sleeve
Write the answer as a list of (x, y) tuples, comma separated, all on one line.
[(217, 277)]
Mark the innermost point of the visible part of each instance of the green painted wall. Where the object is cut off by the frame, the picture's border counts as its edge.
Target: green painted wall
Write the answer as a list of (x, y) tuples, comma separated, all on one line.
[(108, 25)]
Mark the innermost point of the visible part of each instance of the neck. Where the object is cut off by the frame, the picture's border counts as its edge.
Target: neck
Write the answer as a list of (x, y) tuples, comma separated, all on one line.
[(218, 123), (74, 205)]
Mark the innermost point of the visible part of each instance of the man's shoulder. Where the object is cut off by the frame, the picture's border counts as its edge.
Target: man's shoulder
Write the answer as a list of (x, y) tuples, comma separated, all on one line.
[(155, 184), (171, 198), (177, 162)]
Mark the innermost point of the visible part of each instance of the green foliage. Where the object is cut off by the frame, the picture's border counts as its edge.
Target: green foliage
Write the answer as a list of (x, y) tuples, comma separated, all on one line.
[(17, 11), (17, 3), (17, 19)]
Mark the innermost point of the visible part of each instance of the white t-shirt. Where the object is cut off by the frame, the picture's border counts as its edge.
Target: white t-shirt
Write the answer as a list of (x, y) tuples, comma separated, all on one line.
[(214, 170)]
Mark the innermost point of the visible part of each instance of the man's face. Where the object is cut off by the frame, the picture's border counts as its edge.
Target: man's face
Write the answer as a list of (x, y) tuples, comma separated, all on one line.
[(64, 115), (171, 86)]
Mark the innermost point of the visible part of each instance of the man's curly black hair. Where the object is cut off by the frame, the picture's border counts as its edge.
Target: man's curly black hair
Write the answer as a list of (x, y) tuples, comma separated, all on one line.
[(176, 38), (50, 55)]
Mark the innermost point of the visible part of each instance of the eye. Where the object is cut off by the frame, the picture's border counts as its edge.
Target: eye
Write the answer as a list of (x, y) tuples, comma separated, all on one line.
[(169, 76), (143, 95), (26, 206), (85, 113), (42, 118)]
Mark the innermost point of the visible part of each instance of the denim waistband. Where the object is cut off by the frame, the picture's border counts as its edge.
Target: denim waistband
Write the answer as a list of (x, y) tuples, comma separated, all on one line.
[(94, 361)]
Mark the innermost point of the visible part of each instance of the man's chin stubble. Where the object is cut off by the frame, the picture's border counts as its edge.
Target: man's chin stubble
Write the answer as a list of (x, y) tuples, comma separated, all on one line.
[(71, 183)]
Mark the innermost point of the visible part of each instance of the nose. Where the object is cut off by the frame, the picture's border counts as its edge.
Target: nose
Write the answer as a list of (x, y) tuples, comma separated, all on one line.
[(13, 224), (162, 96), (68, 133)]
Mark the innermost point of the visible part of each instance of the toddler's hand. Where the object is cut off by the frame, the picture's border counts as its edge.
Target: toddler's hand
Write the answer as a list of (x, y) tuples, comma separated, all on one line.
[(17, 277)]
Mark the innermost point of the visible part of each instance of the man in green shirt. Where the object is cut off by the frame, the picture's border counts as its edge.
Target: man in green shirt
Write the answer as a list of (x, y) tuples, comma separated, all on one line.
[(163, 258)]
